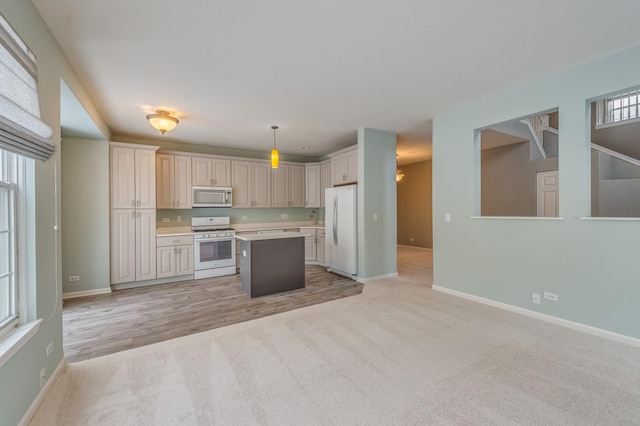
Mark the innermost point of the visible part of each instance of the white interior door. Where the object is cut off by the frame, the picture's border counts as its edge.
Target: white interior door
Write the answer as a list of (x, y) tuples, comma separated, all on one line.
[(547, 193)]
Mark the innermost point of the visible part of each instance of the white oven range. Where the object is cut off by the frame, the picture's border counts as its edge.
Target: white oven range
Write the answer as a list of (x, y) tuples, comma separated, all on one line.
[(214, 245)]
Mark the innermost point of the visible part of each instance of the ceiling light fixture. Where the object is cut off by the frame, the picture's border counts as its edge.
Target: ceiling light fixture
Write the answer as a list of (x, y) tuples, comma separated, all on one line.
[(274, 151), (162, 121)]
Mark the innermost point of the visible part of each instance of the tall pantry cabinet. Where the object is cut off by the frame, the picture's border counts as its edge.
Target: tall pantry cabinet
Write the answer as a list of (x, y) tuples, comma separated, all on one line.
[(133, 212)]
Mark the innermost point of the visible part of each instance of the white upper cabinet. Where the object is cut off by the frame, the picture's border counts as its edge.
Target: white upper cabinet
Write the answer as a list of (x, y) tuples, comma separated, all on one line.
[(312, 183), (133, 177), (241, 172), (279, 187), (173, 182), (211, 171), (182, 182), (221, 170), (145, 178), (287, 186), (123, 187), (325, 179), (296, 183), (344, 166), (251, 183), (165, 166), (260, 184)]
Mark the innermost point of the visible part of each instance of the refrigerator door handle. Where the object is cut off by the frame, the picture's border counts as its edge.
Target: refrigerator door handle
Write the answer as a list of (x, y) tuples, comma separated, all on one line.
[(335, 221)]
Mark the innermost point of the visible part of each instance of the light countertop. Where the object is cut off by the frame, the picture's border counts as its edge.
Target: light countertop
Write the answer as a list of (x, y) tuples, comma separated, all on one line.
[(174, 231), (269, 236)]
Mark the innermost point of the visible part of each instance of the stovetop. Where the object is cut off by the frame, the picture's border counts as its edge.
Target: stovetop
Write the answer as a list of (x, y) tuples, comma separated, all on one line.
[(208, 224), (211, 229)]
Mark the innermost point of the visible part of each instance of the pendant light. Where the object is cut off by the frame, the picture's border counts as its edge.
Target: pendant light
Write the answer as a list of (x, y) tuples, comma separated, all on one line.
[(399, 173), (274, 152), (162, 121)]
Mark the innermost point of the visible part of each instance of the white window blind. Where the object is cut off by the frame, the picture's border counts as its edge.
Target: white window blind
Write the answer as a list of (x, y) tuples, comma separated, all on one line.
[(21, 129)]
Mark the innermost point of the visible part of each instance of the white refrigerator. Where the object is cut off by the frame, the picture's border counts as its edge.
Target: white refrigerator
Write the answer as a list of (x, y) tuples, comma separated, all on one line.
[(341, 225)]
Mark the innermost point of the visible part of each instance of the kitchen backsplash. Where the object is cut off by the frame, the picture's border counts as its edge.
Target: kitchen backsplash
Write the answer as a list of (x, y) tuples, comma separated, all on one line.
[(238, 216)]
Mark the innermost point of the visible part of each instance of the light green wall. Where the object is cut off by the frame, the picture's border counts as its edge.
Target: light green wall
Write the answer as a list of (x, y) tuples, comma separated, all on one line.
[(270, 215), (85, 214), (591, 265), (19, 377), (414, 205), (169, 145), (377, 238)]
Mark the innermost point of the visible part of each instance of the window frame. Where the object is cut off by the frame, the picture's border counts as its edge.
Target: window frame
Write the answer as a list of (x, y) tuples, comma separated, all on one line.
[(13, 314)]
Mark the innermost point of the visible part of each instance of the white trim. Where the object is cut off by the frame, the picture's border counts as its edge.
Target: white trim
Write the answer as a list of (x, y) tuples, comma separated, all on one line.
[(33, 408), (517, 217), (620, 219), (83, 293), (615, 154), (16, 340), (134, 146), (414, 247), (544, 317), (376, 278)]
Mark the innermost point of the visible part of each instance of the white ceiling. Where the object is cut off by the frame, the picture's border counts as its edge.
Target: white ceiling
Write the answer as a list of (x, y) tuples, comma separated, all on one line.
[(320, 70)]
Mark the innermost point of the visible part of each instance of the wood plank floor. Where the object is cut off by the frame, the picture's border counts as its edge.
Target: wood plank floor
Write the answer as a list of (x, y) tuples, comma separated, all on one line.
[(126, 319)]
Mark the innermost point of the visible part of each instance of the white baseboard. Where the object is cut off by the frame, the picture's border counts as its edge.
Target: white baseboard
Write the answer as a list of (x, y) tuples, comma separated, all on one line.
[(376, 278), (544, 317), (84, 293), (33, 408)]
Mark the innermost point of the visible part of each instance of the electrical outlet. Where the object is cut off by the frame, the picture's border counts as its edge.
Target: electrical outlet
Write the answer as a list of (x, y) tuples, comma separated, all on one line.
[(284, 216), (245, 217), (179, 219), (74, 278), (550, 296), (535, 298), (43, 377), (49, 349), (165, 219), (447, 217)]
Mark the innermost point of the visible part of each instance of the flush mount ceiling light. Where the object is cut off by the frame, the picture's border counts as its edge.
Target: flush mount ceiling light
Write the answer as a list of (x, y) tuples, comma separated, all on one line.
[(274, 152), (162, 121)]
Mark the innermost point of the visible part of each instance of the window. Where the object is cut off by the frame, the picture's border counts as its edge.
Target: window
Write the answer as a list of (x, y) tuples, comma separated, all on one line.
[(11, 183), (618, 108), (24, 137), (8, 282)]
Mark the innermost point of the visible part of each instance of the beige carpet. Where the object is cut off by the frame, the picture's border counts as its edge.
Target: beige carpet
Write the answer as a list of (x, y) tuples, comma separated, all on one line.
[(400, 353)]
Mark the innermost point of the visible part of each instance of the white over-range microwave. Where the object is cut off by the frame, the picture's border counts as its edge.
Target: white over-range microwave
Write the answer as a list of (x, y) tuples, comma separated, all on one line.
[(207, 196)]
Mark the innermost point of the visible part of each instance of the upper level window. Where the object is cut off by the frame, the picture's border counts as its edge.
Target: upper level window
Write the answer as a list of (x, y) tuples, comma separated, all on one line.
[(618, 108)]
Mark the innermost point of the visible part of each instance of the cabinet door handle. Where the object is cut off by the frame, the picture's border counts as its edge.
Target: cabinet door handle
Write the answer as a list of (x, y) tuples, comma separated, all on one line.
[(133, 213), (138, 214), (138, 203)]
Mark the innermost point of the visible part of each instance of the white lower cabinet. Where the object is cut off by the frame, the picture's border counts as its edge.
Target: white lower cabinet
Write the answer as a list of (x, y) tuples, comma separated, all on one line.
[(313, 244), (174, 256), (133, 245), (309, 243), (320, 248)]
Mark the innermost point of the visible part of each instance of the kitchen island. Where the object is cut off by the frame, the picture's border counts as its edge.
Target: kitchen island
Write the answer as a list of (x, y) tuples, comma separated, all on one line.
[(271, 262)]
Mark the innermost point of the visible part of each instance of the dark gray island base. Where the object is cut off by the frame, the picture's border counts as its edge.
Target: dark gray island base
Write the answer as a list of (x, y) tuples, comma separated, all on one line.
[(271, 263)]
